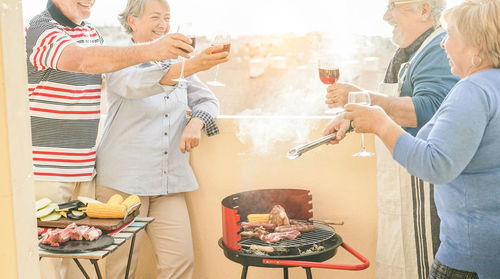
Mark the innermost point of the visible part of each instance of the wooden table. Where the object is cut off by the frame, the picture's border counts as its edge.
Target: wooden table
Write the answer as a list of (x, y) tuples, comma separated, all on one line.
[(129, 232)]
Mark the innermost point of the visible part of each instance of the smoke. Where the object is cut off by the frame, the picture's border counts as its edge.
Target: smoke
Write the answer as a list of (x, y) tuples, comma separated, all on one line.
[(284, 120)]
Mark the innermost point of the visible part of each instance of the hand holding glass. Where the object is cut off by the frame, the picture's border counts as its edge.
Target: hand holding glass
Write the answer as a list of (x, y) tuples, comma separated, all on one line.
[(361, 98), (188, 32), (328, 72), (225, 40)]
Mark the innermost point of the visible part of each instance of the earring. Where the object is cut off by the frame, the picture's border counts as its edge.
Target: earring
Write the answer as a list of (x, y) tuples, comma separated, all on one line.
[(480, 60)]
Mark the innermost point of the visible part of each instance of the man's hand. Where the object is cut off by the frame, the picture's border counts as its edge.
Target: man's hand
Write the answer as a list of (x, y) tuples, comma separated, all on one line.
[(339, 125), (191, 135), (338, 93), (172, 46), (210, 57)]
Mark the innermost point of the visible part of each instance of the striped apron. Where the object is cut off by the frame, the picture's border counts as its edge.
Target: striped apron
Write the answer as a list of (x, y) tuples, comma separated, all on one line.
[(408, 225)]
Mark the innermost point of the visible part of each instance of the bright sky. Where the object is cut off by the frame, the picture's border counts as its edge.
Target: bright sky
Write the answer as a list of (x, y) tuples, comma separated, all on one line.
[(257, 16)]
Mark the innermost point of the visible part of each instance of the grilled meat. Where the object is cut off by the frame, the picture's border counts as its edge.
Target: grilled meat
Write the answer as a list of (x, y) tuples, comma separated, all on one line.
[(278, 216)]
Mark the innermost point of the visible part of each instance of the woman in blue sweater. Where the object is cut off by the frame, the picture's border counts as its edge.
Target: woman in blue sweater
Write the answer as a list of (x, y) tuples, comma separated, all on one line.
[(458, 149)]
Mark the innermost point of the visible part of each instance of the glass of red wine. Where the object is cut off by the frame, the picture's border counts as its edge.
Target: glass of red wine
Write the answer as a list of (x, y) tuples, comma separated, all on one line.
[(187, 30), (328, 72), (225, 40)]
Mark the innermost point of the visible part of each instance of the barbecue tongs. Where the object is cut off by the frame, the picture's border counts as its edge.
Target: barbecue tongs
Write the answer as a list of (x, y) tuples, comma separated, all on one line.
[(300, 149)]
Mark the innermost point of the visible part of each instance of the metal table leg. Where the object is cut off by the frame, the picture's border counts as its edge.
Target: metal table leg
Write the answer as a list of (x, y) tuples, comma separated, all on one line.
[(308, 272), (244, 272), (97, 271), (81, 268), (130, 256), (285, 272)]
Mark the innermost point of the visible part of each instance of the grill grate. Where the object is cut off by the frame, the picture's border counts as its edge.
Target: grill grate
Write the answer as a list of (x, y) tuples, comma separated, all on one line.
[(321, 232)]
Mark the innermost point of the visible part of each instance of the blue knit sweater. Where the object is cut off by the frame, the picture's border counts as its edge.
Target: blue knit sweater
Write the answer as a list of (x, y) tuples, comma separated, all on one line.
[(428, 81), (459, 151)]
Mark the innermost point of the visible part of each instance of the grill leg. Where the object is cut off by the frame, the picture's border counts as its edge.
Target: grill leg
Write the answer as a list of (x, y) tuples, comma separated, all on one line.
[(244, 272), (308, 272), (285, 272)]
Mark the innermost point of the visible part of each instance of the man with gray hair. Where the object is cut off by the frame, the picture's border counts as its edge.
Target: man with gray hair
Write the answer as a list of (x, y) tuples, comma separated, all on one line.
[(417, 80)]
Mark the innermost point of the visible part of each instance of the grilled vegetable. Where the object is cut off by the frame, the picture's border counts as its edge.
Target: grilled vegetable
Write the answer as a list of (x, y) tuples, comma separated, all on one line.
[(86, 200), (258, 218), (70, 205), (54, 216), (41, 203), (130, 201), (77, 215), (102, 210), (115, 199), (46, 210)]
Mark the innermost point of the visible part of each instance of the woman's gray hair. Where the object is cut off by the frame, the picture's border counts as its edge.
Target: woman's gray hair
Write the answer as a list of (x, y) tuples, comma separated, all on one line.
[(134, 8), (437, 8)]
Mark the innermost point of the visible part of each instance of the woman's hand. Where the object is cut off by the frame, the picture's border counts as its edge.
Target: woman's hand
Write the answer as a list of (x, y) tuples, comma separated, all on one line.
[(209, 57), (367, 119), (191, 135), (338, 93)]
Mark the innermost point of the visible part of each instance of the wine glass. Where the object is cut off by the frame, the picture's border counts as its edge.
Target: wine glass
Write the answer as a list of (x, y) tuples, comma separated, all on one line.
[(360, 98), (225, 40), (328, 73), (187, 30)]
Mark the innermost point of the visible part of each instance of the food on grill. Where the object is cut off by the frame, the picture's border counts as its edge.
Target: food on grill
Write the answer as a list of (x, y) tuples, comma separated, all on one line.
[(71, 232), (258, 218), (267, 249), (277, 228), (278, 216), (298, 226), (277, 236), (250, 226)]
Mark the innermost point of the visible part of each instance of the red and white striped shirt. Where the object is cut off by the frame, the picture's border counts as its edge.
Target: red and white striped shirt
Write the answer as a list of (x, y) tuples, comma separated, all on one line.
[(64, 106)]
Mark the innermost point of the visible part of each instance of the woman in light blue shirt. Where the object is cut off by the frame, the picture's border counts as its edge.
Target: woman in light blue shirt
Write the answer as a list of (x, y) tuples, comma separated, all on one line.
[(146, 136), (458, 149)]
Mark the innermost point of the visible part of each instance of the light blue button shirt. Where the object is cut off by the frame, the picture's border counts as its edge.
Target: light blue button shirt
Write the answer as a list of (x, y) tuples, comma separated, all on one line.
[(139, 152)]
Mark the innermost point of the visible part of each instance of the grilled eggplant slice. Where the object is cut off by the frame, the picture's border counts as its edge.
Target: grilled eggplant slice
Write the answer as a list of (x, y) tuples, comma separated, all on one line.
[(70, 205), (77, 215)]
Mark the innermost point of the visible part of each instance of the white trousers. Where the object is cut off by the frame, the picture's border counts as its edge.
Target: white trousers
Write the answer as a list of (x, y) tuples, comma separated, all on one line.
[(170, 235)]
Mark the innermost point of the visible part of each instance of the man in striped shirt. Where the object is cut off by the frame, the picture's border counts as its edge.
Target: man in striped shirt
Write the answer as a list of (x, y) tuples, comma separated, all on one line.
[(65, 60)]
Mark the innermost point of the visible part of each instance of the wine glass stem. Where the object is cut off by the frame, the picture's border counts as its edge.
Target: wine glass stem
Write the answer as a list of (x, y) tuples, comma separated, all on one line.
[(182, 68), (216, 73), (363, 143)]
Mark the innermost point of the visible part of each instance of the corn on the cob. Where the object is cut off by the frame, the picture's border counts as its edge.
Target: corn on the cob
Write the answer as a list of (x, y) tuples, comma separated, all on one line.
[(131, 201), (115, 199), (102, 210), (258, 218)]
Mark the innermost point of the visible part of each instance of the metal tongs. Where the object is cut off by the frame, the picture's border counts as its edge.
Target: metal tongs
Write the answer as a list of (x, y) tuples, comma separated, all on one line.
[(300, 149)]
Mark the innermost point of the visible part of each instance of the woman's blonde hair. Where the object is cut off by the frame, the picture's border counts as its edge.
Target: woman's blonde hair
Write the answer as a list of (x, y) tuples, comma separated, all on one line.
[(134, 8), (478, 21)]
